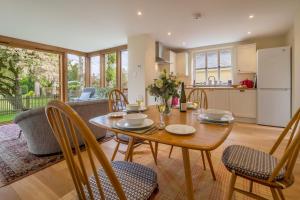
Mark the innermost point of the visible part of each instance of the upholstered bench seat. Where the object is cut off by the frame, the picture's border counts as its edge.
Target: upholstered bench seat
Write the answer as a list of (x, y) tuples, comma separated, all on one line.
[(250, 162), (138, 181)]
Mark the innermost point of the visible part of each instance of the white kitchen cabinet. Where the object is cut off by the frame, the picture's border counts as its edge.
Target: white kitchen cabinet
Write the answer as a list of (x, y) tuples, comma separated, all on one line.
[(243, 103), (218, 99), (173, 62), (246, 58), (182, 67)]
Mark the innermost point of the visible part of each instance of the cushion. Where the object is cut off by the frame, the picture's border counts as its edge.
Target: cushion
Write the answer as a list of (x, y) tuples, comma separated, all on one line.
[(138, 181), (85, 95), (250, 162)]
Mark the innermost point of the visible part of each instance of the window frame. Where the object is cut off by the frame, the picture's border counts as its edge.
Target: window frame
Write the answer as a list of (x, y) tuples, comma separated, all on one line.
[(206, 51)]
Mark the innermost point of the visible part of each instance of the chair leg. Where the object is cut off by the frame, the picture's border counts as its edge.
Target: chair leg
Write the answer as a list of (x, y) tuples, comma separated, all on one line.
[(171, 151), (203, 160), (115, 151), (208, 156), (280, 193), (20, 133), (156, 149), (251, 186), (274, 194), (153, 152), (231, 186)]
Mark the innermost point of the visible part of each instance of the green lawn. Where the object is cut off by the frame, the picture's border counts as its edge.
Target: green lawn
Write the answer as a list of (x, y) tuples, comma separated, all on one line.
[(7, 118)]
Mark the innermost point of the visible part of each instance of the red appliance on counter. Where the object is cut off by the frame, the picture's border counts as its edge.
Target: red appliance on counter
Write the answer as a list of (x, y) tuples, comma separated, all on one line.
[(247, 83)]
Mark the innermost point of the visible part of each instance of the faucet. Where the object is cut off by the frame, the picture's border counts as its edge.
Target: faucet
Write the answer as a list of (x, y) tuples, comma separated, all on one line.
[(210, 81)]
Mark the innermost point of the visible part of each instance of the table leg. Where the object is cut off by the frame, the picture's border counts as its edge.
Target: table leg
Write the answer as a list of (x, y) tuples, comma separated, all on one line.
[(208, 155), (188, 175), (156, 150), (129, 149)]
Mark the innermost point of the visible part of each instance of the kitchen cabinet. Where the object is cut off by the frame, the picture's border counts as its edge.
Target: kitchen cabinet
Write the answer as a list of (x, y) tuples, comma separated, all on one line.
[(182, 67), (173, 62), (243, 103), (246, 58), (218, 99)]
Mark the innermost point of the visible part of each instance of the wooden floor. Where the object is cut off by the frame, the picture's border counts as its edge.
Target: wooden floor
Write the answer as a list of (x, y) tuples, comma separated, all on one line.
[(55, 182)]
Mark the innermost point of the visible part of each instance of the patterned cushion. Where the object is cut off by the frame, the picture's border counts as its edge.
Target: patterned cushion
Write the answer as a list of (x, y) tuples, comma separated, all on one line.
[(250, 162), (138, 181)]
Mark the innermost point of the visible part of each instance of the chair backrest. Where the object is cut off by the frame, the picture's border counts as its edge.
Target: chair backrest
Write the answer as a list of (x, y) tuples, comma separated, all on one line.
[(67, 127), (289, 157), (198, 95), (116, 101)]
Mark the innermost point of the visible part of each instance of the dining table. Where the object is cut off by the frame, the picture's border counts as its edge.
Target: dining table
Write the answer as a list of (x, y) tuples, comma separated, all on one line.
[(206, 138)]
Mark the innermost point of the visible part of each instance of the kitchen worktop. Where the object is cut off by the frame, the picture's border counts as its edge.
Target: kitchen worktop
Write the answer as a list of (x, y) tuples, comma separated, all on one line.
[(219, 87)]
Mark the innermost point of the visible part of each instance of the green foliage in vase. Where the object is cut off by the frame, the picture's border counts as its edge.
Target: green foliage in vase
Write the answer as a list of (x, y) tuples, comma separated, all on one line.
[(165, 86)]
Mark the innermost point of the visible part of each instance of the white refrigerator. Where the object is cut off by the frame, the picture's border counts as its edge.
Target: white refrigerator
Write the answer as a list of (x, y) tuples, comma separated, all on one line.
[(274, 86)]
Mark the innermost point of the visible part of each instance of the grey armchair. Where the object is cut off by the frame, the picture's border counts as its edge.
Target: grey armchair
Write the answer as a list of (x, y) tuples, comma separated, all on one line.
[(37, 131)]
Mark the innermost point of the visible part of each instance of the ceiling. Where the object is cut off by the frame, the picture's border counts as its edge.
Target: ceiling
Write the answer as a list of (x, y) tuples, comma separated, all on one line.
[(89, 25)]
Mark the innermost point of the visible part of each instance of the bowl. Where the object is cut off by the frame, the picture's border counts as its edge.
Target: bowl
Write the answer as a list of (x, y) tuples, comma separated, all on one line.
[(135, 119), (133, 107), (216, 114)]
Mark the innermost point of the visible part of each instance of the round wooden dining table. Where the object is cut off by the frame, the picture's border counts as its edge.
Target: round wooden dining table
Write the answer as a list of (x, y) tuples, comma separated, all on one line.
[(206, 138)]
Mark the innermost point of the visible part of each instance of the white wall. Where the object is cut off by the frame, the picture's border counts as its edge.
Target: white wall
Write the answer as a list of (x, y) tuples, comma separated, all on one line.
[(296, 62), (141, 65)]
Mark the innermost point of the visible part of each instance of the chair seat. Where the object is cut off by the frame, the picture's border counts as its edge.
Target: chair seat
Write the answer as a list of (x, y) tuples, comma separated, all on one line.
[(250, 162), (138, 181), (125, 138)]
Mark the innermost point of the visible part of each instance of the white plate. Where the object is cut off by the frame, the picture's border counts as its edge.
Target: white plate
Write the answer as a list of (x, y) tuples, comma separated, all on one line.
[(142, 109), (224, 119), (180, 129), (116, 114), (124, 124)]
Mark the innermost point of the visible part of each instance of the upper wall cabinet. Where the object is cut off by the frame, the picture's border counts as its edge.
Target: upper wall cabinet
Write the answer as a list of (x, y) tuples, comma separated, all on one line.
[(182, 64), (246, 58)]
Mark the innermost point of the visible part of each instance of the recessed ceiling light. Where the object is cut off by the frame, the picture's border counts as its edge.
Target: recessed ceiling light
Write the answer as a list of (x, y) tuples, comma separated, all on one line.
[(169, 33), (249, 32), (251, 16), (139, 13)]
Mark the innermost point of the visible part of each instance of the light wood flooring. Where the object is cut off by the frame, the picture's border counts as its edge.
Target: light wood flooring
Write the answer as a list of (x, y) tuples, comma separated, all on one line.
[(55, 182)]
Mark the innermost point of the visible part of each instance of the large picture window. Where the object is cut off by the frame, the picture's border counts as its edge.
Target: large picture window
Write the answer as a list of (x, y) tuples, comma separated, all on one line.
[(214, 63)]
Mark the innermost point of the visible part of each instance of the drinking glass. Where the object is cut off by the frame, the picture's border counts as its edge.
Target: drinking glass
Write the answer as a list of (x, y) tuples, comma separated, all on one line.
[(161, 106), (140, 100)]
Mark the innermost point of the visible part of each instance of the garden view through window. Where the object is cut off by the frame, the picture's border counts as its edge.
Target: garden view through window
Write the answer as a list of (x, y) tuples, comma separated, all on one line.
[(29, 79), (216, 63)]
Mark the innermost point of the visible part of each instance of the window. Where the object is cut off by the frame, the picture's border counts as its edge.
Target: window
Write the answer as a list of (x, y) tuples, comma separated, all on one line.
[(217, 63), (124, 69), (76, 76), (95, 72), (110, 70)]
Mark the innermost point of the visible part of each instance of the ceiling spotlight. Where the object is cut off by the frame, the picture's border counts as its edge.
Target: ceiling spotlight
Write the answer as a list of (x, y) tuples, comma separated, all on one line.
[(197, 16), (249, 32), (251, 16), (169, 33), (139, 13)]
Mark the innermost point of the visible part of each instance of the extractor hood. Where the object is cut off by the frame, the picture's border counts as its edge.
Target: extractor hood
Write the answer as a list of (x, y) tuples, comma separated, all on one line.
[(161, 53)]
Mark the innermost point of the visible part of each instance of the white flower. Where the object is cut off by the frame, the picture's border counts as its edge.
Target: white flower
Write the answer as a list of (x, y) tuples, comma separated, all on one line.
[(159, 83)]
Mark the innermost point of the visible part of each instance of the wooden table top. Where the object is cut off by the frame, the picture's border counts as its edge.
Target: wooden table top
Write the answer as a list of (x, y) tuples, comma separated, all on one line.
[(206, 137)]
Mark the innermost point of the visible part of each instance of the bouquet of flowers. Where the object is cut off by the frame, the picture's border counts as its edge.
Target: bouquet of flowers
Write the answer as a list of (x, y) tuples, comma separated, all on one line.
[(165, 87)]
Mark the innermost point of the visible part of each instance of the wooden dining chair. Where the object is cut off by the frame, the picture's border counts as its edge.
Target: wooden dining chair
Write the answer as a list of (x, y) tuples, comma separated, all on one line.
[(264, 168), (116, 180), (117, 102), (199, 95)]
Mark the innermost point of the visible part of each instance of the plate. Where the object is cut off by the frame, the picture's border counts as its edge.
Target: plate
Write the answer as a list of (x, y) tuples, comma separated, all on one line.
[(123, 124), (180, 129), (224, 119), (142, 109), (116, 114)]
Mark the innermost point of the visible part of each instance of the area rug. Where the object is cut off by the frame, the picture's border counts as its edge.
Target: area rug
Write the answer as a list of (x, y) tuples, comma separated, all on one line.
[(16, 162)]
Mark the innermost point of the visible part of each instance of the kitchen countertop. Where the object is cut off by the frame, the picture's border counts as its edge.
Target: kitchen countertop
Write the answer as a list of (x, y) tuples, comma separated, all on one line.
[(219, 88)]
